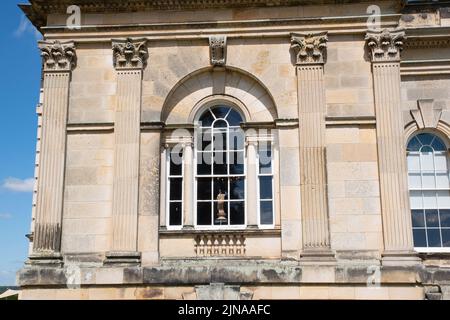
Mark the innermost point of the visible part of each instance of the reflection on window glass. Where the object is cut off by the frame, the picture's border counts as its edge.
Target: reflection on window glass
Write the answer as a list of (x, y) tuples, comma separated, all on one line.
[(429, 186), (175, 188), (265, 172)]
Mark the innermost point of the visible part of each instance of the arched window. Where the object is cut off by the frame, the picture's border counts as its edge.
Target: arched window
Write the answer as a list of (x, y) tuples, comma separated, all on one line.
[(220, 170), (429, 191)]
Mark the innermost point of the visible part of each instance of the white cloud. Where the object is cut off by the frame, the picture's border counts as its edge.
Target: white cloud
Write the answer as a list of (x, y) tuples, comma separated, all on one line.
[(24, 27), (5, 216), (19, 185)]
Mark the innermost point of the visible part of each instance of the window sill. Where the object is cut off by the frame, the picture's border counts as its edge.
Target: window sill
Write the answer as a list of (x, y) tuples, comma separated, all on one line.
[(247, 231)]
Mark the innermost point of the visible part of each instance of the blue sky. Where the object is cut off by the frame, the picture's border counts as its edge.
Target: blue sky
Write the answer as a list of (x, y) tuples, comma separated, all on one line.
[(19, 95)]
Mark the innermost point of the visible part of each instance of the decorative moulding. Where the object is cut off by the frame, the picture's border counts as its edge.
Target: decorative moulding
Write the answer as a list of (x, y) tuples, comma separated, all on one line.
[(130, 53), (58, 56), (385, 45), (309, 48), (218, 50)]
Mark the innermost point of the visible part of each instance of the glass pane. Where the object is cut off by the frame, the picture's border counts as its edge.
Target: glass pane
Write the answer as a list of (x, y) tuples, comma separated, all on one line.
[(234, 118), (236, 139), (265, 184), (425, 138), (217, 221), (428, 181), (438, 144), (414, 145), (446, 237), (237, 162), (413, 162), (445, 218), (419, 238), (204, 188), (416, 199), (444, 199), (427, 161), (442, 181), (220, 111), (220, 124), (266, 212), (204, 140), (265, 161), (220, 140), (220, 186), (204, 160), (432, 218), (237, 213), (220, 163), (206, 119), (415, 181), (429, 199), (176, 186), (417, 218), (175, 214), (434, 237), (237, 188), (440, 161), (176, 163), (204, 213)]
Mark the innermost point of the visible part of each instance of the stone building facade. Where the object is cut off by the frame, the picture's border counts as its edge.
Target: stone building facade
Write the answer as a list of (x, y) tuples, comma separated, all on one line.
[(351, 116)]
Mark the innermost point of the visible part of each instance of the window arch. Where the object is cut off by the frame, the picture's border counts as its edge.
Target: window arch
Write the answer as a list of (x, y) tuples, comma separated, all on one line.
[(220, 188), (429, 187)]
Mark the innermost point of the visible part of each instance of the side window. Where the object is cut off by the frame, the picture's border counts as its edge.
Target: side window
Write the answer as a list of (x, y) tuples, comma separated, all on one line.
[(266, 183), (175, 187)]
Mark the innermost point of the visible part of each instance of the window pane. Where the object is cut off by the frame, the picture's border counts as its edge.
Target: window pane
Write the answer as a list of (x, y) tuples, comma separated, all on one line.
[(236, 162), (419, 238), (265, 161), (220, 140), (429, 199), (434, 237), (204, 140), (265, 184), (176, 162), (236, 139), (440, 161), (417, 218), (220, 163), (414, 145), (234, 118), (204, 213), (446, 237), (216, 214), (438, 144), (220, 111), (266, 212), (413, 162), (175, 214), (426, 159), (206, 119), (220, 186), (237, 188), (176, 185), (415, 181), (432, 218), (416, 199), (442, 181), (425, 138), (204, 160), (237, 213), (445, 218), (444, 199), (428, 181), (204, 188)]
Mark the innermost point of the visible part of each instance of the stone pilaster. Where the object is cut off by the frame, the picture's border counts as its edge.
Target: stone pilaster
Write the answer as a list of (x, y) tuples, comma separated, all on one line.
[(58, 62), (384, 49), (252, 183), (130, 57), (310, 51), (188, 182)]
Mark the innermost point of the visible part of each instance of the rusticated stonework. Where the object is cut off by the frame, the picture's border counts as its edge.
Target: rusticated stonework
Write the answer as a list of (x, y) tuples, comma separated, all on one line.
[(130, 53), (218, 50), (309, 48), (385, 45), (58, 56)]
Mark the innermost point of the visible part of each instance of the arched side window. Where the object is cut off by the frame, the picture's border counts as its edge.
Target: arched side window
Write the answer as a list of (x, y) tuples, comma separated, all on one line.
[(429, 188), (220, 171)]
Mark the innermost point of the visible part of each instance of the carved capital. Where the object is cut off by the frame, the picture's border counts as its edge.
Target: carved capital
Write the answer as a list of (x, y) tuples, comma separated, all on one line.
[(130, 53), (218, 50), (385, 45), (58, 56), (309, 48)]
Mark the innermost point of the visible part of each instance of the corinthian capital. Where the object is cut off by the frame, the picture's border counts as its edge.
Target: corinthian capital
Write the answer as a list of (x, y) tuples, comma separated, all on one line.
[(130, 53), (58, 56), (309, 48), (385, 45)]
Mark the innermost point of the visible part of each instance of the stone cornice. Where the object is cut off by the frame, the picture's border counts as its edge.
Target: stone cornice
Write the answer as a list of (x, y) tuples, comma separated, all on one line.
[(309, 48), (129, 53), (385, 45), (57, 56)]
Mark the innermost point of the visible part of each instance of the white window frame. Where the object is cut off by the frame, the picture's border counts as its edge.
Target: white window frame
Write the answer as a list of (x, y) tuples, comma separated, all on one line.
[(268, 140), (167, 178)]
